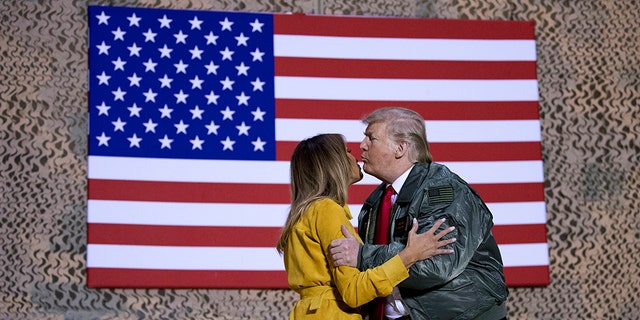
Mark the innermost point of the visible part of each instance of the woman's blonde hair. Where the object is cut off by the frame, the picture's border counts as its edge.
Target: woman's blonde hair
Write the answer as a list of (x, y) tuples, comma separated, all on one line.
[(320, 169)]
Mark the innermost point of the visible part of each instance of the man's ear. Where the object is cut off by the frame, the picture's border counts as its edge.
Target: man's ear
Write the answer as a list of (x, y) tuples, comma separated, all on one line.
[(402, 148)]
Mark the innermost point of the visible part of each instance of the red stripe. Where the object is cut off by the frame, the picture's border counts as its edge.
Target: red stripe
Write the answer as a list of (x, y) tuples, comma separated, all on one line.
[(200, 236), (520, 233), (404, 69), (430, 110), (266, 237), (101, 189), (301, 24), (444, 152), (510, 192), (187, 279), (161, 191), (533, 276), (191, 279)]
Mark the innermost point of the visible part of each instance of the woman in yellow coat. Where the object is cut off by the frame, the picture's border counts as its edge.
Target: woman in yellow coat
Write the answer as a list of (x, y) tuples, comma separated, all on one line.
[(321, 171)]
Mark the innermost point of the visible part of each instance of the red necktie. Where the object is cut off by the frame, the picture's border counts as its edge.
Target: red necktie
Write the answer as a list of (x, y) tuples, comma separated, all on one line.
[(382, 237), (382, 223)]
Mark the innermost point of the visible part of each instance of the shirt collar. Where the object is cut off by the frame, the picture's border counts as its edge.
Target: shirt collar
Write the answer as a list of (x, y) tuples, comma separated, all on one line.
[(397, 185)]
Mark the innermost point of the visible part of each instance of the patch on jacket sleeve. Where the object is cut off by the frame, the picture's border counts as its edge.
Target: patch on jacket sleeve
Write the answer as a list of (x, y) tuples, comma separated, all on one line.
[(440, 195)]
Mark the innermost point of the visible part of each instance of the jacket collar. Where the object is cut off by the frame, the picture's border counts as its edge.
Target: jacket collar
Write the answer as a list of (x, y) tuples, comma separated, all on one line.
[(416, 176)]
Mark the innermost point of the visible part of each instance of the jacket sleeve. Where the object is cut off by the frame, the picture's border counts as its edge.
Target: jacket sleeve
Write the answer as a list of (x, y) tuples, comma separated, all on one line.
[(472, 221), (464, 210), (356, 288)]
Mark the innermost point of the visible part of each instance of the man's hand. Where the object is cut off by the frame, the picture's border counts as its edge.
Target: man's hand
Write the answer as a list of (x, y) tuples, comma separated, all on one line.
[(344, 252)]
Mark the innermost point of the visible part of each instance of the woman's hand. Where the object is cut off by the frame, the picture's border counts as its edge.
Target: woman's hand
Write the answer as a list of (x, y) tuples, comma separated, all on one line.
[(426, 245)]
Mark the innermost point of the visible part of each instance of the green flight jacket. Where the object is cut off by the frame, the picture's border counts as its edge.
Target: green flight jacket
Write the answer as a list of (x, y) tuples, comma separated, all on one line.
[(460, 285)]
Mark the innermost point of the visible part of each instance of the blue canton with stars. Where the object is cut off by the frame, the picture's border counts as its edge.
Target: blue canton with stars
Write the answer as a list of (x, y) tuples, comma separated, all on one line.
[(181, 84)]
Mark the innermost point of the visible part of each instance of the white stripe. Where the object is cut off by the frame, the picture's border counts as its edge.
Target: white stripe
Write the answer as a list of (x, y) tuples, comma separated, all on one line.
[(498, 171), (235, 258), (403, 48), (258, 215), (523, 255), (277, 172), (190, 214), (183, 258), (405, 89), (509, 213), (439, 131), (155, 169)]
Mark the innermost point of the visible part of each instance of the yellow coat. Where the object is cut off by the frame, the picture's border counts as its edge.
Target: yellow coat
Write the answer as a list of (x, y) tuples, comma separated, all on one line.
[(327, 292)]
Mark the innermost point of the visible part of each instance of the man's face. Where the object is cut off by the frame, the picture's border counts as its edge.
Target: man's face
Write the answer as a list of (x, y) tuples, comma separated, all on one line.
[(378, 152)]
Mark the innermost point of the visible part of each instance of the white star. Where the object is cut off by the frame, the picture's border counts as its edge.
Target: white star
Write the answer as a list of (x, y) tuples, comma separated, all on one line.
[(165, 81), (227, 144), (166, 142), (212, 127), (181, 67), (118, 64), (181, 127), (196, 113), (118, 125), (103, 78), (226, 54), (243, 99), (211, 38), (164, 22), (257, 85), (134, 50), (256, 26), (134, 141), (227, 113), (181, 97), (103, 109), (165, 52), (150, 65), (134, 110), (149, 36), (257, 55), (258, 144), (242, 69), (103, 18), (118, 94), (134, 80), (242, 40), (181, 37), (165, 112), (103, 48), (118, 34), (196, 83), (243, 129), (149, 96), (258, 114), (196, 143), (195, 23), (227, 84), (103, 140), (150, 126), (196, 53), (226, 24), (212, 68), (133, 20), (212, 98)]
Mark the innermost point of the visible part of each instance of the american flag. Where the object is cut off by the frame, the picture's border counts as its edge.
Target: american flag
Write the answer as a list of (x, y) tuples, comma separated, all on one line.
[(194, 115)]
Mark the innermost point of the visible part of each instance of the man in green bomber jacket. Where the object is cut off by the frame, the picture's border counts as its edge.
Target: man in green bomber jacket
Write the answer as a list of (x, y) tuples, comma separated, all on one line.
[(467, 284)]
